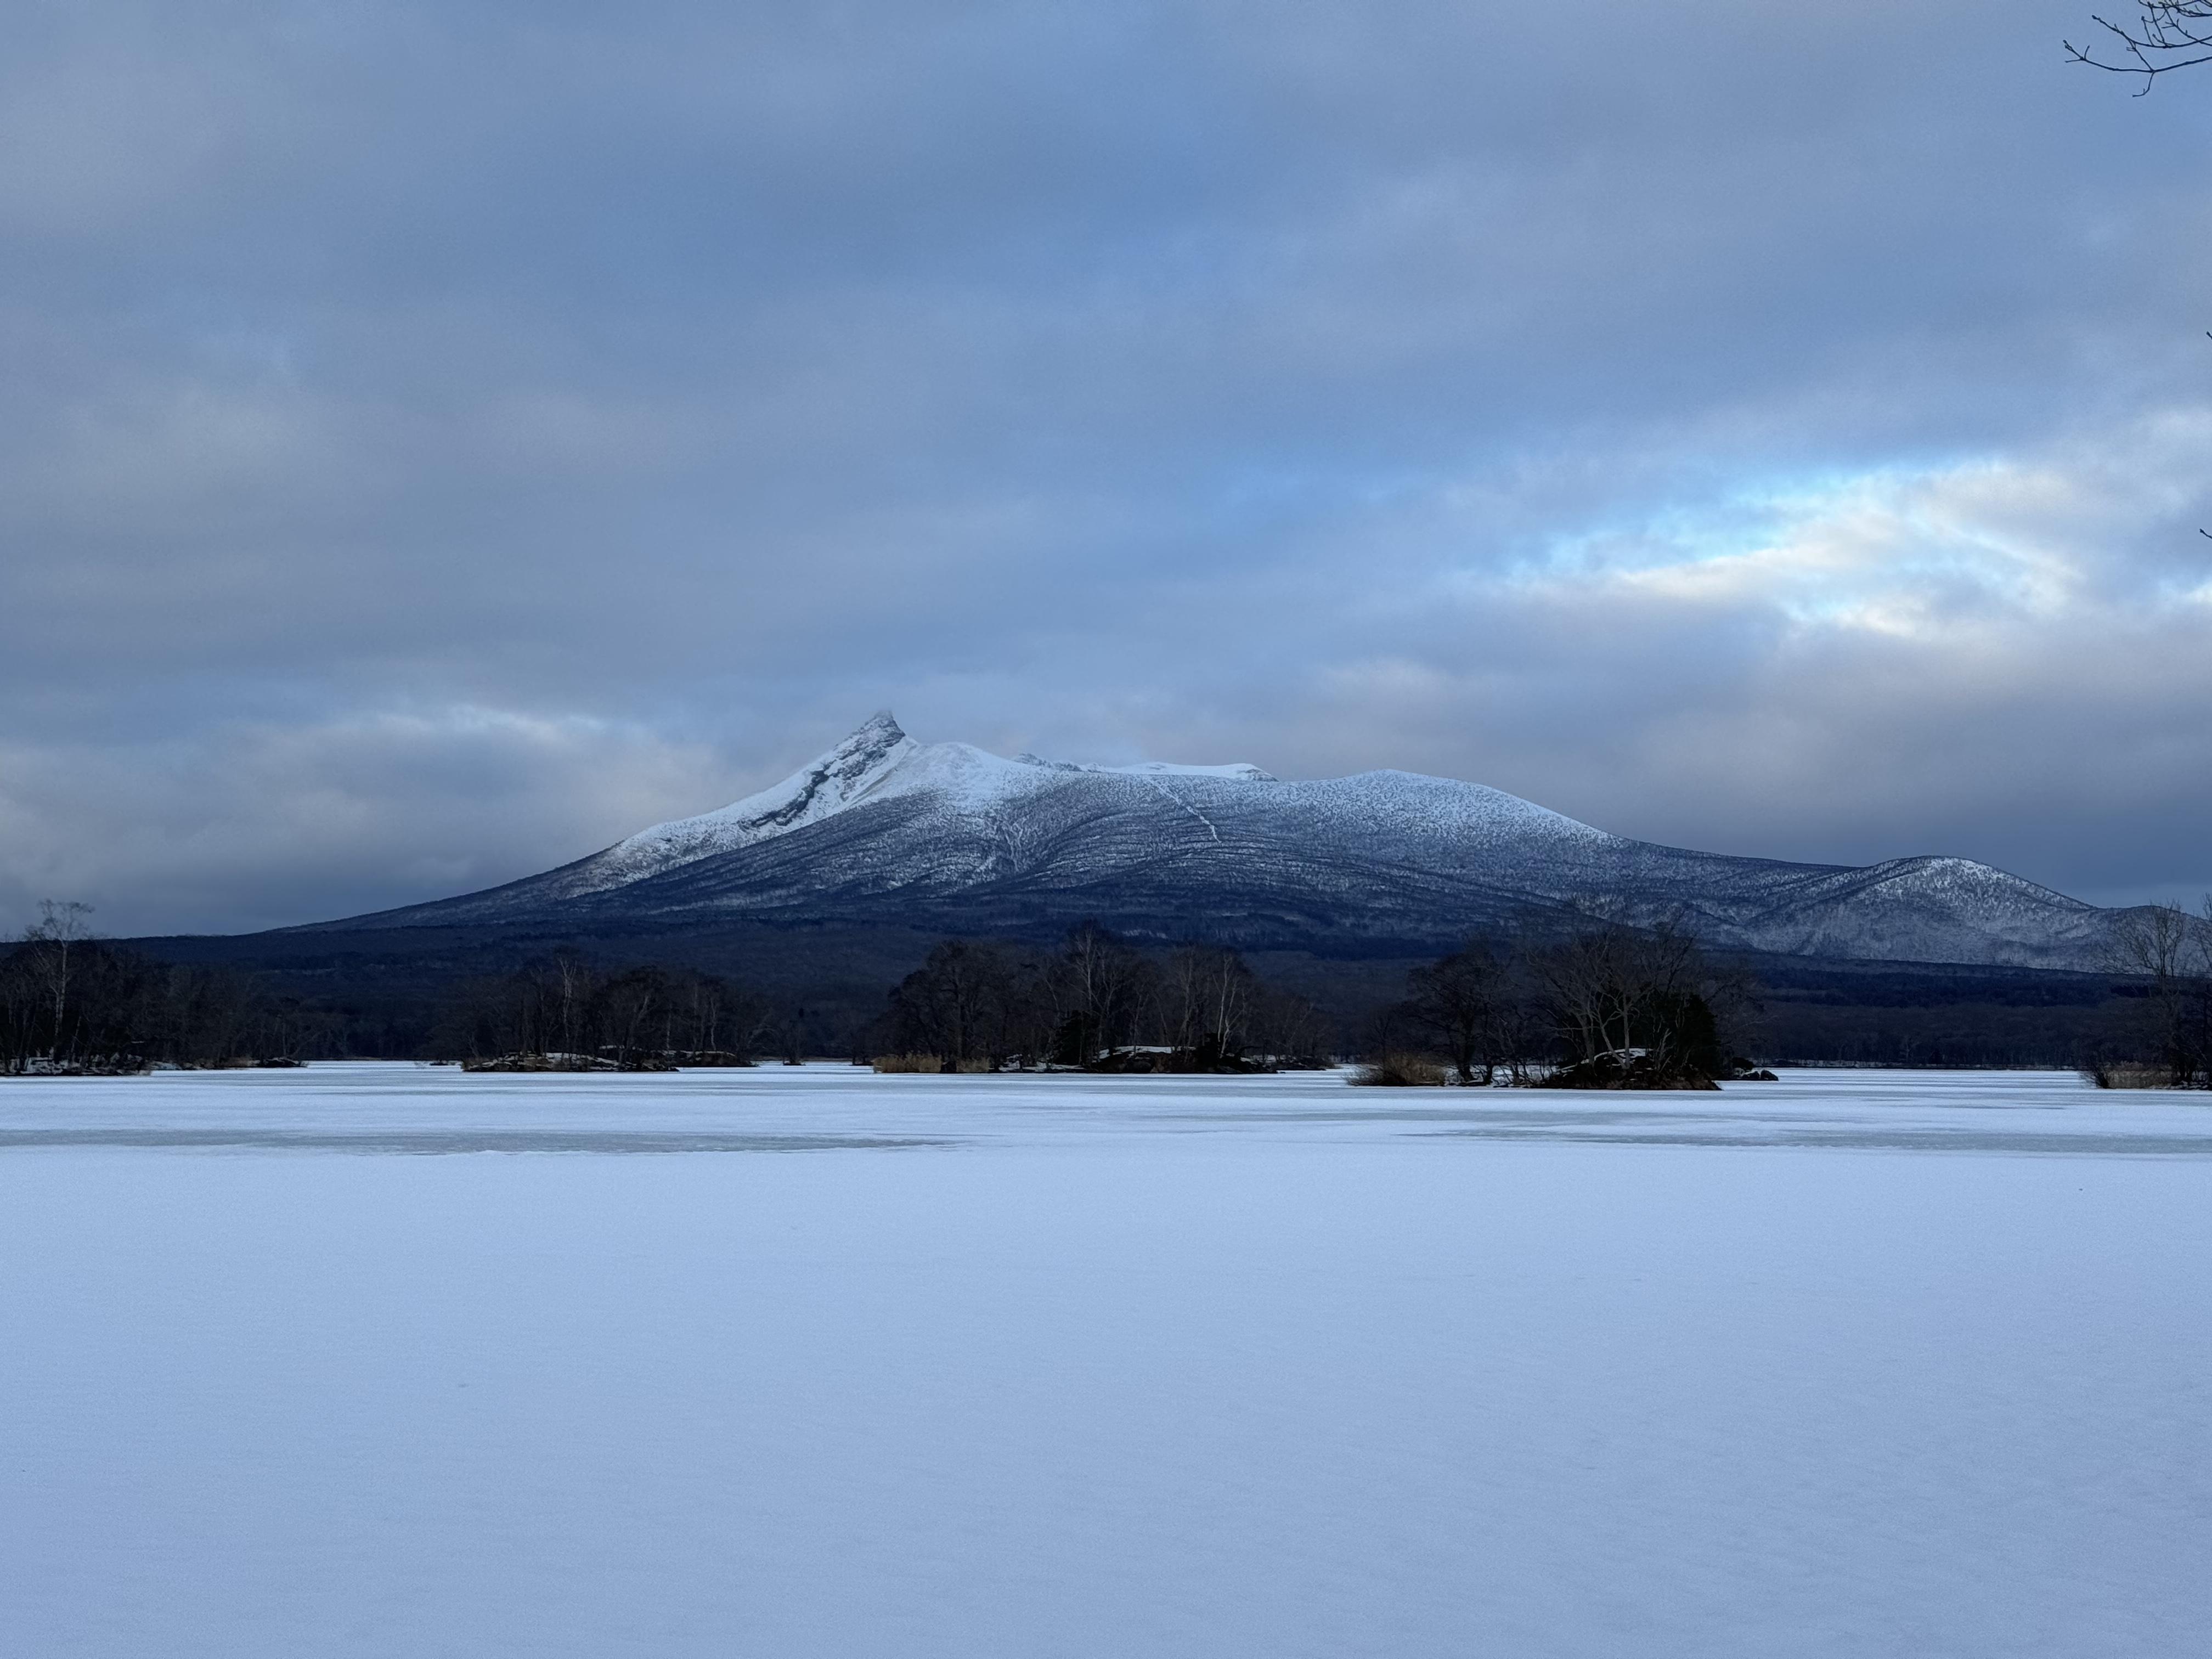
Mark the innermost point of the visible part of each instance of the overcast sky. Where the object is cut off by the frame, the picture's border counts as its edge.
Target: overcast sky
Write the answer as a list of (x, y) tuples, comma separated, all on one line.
[(437, 439)]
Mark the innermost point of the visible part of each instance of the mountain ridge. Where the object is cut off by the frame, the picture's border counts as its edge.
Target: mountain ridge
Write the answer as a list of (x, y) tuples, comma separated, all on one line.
[(881, 828)]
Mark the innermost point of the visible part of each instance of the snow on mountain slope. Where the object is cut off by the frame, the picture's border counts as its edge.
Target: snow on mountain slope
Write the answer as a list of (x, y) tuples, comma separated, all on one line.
[(878, 761), (807, 796), (945, 835), (1240, 771)]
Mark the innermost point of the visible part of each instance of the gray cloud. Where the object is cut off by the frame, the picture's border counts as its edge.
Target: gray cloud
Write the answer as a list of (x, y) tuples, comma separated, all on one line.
[(436, 442)]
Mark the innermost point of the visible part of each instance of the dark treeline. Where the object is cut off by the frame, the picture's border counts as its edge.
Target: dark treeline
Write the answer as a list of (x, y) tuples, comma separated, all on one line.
[(564, 1006), (1524, 1007), (1095, 1002), (72, 1003), (1611, 1002), (1523, 998), (1950, 1036), (1523, 1003)]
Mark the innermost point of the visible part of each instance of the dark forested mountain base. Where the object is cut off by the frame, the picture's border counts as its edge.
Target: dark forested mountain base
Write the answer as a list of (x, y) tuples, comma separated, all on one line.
[(382, 990), (1936, 1014)]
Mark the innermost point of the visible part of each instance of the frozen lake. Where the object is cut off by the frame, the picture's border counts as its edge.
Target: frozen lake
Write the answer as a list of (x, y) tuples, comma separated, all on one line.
[(384, 1360)]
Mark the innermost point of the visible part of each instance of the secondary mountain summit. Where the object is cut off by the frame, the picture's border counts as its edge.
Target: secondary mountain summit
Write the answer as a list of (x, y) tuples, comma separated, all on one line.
[(884, 830)]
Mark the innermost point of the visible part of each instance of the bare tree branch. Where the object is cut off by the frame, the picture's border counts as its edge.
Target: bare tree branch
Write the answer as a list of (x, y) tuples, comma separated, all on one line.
[(2165, 35)]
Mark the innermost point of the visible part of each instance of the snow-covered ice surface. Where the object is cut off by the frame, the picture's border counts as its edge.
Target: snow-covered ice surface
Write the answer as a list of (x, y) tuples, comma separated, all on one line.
[(1856, 1363)]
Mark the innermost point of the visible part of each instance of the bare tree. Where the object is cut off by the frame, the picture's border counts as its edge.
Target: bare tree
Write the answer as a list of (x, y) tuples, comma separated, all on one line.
[(1639, 997), (1462, 1001), (1208, 999), (1290, 1029), (1099, 984), (63, 928), (953, 1005), (2163, 35), (1605, 978), (626, 1010), (573, 984), (2171, 950)]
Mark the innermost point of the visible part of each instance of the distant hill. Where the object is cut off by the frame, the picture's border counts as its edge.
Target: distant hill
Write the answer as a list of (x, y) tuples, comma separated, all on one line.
[(883, 831)]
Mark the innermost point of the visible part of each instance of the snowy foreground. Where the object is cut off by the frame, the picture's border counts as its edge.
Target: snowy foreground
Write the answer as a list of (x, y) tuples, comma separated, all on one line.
[(796, 1362)]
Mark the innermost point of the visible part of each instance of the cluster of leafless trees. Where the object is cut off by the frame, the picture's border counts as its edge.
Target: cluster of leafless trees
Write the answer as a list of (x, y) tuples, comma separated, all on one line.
[(1606, 991), (1097, 1002), (72, 1003), (564, 1005), (2167, 954)]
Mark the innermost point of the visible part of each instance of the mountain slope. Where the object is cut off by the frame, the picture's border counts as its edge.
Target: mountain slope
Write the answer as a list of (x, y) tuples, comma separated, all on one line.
[(882, 828)]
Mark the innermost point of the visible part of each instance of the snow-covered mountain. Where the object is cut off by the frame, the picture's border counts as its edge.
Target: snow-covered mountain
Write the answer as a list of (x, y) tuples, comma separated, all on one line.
[(945, 835)]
